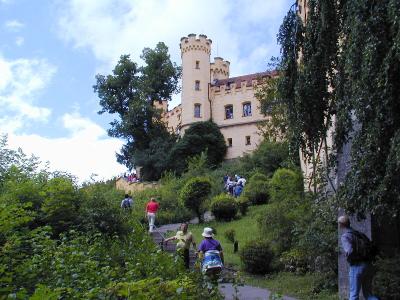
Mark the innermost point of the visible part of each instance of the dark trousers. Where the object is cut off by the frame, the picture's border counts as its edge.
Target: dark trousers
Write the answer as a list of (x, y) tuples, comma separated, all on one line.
[(185, 257)]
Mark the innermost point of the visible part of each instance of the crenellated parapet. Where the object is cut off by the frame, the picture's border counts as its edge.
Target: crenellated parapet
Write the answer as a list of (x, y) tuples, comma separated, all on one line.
[(219, 69), (191, 42)]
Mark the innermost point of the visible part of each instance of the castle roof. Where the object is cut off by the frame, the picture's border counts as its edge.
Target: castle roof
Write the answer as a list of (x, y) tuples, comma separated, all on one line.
[(247, 78)]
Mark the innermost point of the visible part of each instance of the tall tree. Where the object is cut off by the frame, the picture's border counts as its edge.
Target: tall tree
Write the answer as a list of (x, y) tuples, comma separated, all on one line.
[(199, 137), (129, 92)]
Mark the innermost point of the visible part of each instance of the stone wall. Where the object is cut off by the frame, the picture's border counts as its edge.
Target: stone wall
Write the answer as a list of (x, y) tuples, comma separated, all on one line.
[(131, 187)]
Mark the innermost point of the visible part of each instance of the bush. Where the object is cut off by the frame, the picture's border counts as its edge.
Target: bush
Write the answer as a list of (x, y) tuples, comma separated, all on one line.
[(243, 204), (285, 184), (224, 207), (256, 191), (257, 257), (194, 193), (268, 157), (230, 235), (387, 278)]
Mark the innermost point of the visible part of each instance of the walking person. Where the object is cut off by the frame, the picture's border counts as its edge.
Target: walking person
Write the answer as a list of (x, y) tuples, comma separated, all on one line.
[(150, 212), (359, 253), (210, 253), (185, 239), (127, 202)]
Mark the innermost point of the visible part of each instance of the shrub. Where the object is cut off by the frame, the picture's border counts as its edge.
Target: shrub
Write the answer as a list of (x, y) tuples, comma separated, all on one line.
[(295, 260), (256, 257), (230, 235), (224, 207), (243, 204), (387, 278), (268, 157), (285, 184), (256, 191), (194, 193)]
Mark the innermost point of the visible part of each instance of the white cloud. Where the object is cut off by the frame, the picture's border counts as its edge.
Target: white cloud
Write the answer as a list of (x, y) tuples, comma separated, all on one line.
[(85, 151), (20, 82), (110, 28), (19, 41), (14, 25)]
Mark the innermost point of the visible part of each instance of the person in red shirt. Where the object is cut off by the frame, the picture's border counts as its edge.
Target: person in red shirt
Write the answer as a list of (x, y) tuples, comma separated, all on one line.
[(150, 212)]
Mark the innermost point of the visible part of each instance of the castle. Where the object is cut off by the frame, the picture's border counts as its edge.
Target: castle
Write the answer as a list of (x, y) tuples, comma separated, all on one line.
[(208, 93)]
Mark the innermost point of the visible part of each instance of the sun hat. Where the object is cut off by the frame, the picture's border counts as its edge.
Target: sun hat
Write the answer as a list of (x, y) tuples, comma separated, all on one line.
[(207, 232)]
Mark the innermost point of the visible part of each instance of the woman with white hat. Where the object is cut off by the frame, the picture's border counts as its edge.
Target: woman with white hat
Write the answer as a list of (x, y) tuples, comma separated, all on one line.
[(211, 250)]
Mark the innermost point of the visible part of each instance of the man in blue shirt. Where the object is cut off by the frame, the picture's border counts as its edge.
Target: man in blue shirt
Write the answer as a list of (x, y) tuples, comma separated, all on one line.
[(360, 273)]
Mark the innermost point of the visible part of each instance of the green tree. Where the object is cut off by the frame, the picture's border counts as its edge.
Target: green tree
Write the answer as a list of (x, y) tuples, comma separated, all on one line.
[(194, 193), (130, 92), (199, 137)]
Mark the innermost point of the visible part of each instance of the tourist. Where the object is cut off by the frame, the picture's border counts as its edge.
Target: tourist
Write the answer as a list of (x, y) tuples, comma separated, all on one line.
[(210, 252), (238, 190), (242, 181), (150, 212), (230, 185), (185, 239), (127, 202), (360, 273)]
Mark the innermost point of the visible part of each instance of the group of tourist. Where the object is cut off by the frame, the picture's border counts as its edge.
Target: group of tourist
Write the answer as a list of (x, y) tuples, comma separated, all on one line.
[(234, 185), (355, 245), (131, 177), (210, 250)]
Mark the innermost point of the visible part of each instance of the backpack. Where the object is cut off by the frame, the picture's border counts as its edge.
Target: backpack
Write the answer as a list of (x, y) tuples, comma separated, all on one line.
[(126, 203), (364, 250)]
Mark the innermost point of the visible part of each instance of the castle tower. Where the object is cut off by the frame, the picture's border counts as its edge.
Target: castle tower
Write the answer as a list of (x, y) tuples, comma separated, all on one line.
[(195, 53), (219, 69)]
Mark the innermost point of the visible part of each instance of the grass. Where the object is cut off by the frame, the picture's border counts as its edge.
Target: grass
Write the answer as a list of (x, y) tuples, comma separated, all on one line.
[(245, 228), (291, 284)]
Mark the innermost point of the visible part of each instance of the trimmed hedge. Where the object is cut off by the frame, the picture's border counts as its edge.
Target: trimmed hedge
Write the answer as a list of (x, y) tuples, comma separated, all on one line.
[(224, 207), (194, 193), (257, 190), (257, 257)]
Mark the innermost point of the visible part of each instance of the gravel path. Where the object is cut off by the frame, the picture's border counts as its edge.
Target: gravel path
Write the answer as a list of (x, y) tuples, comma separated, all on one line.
[(245, 292)]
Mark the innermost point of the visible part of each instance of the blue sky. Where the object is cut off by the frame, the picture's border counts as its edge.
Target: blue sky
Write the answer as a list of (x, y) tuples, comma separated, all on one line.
[(50, 52)]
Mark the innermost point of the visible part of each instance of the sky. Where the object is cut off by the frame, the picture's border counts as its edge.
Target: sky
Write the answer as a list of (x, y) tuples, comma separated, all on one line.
[(51, 51)]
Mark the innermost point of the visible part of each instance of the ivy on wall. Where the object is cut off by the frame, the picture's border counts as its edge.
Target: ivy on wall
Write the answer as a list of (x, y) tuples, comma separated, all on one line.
[(348, 68)]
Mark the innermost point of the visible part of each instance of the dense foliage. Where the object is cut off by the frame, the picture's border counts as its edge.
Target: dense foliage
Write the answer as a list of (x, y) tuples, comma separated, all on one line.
[(59, 240), (257, 257), (387, 278), (194, 193), (257, 190), (198, 138), (224, 207), (368, 103)]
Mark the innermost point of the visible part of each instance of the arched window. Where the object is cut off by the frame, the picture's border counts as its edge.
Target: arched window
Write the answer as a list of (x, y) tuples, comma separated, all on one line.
[(197, 110), (229, 111), (197, 85), (247, 109)]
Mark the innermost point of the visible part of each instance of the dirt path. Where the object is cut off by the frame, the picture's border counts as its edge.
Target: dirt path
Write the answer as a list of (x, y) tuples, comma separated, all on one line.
[(245, 292)]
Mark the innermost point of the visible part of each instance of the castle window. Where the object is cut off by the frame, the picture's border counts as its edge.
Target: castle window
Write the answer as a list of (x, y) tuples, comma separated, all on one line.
[(229, 142), (248, 140), (247, 109), (197, 110), (197, 85), (229, 112), (197, 64)]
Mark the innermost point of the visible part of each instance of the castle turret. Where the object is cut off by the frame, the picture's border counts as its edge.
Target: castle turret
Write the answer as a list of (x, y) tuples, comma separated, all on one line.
[(195, 53), (219, 69)]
